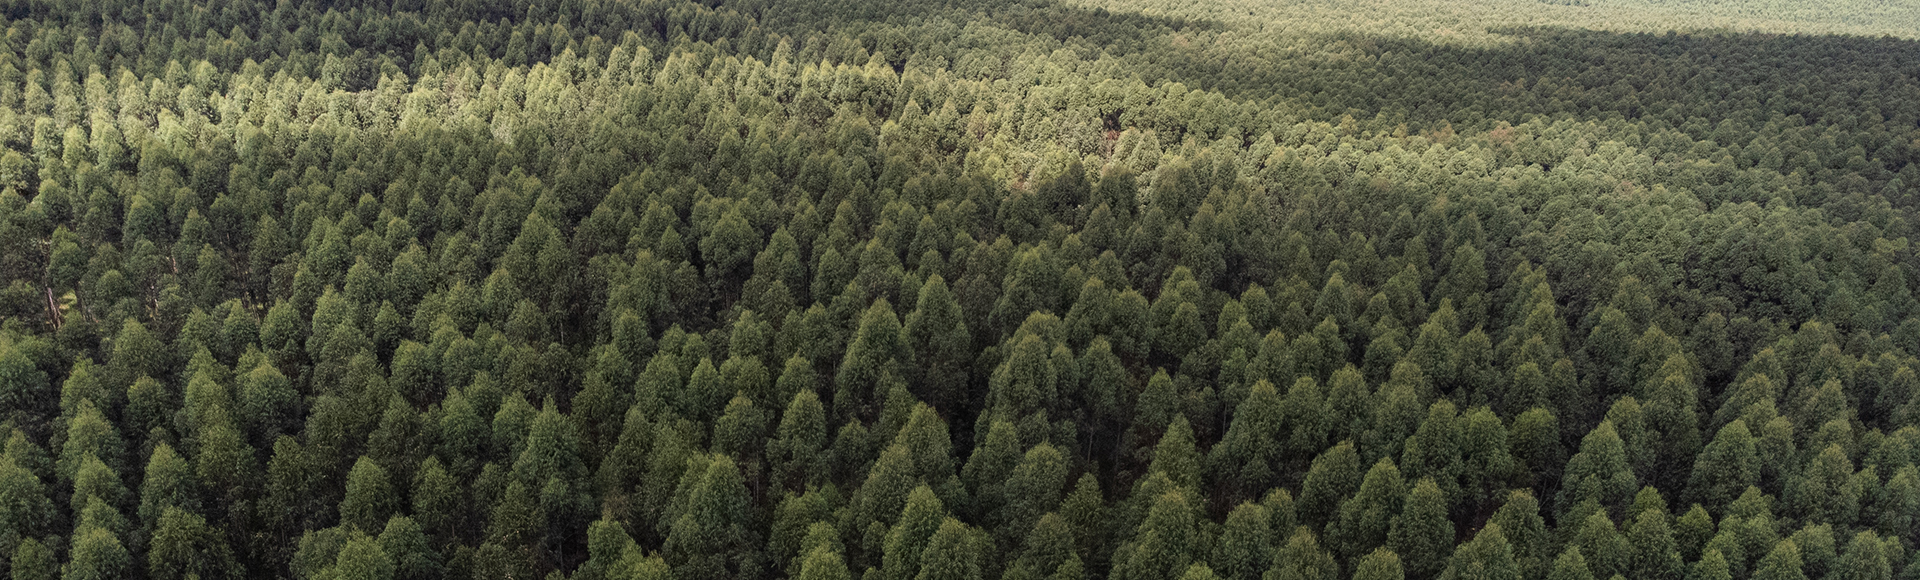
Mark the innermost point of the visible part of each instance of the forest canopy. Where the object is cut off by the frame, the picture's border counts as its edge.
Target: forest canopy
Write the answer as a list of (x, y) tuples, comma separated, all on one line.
[(959, 290)]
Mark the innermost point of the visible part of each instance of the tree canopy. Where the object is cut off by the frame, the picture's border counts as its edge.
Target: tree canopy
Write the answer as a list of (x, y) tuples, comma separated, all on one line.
[(972, 290)]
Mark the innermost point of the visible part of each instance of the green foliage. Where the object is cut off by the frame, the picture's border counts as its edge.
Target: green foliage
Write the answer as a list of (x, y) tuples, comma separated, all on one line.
[(1572, 566), (1519, 520), (1366, 519), (362, 558), (1162, 546), (951, 554), (95, 555), (25, 510), (1655, 553), (1782, 563), (1302, 558), (183, 546), (32, 560), (1423, 533), (1598, 476), (407, 545), (793, 456), (1381, 564), (1726, 467), (907, 540), (369, 500), (710, 533), (1487, 556), (658, 288), (1611, 553), (1245, 548), (1712, 566), (823, 564)]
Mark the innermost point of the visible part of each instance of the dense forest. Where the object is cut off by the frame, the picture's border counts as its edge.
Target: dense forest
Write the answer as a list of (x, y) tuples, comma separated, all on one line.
[(959, 290)]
